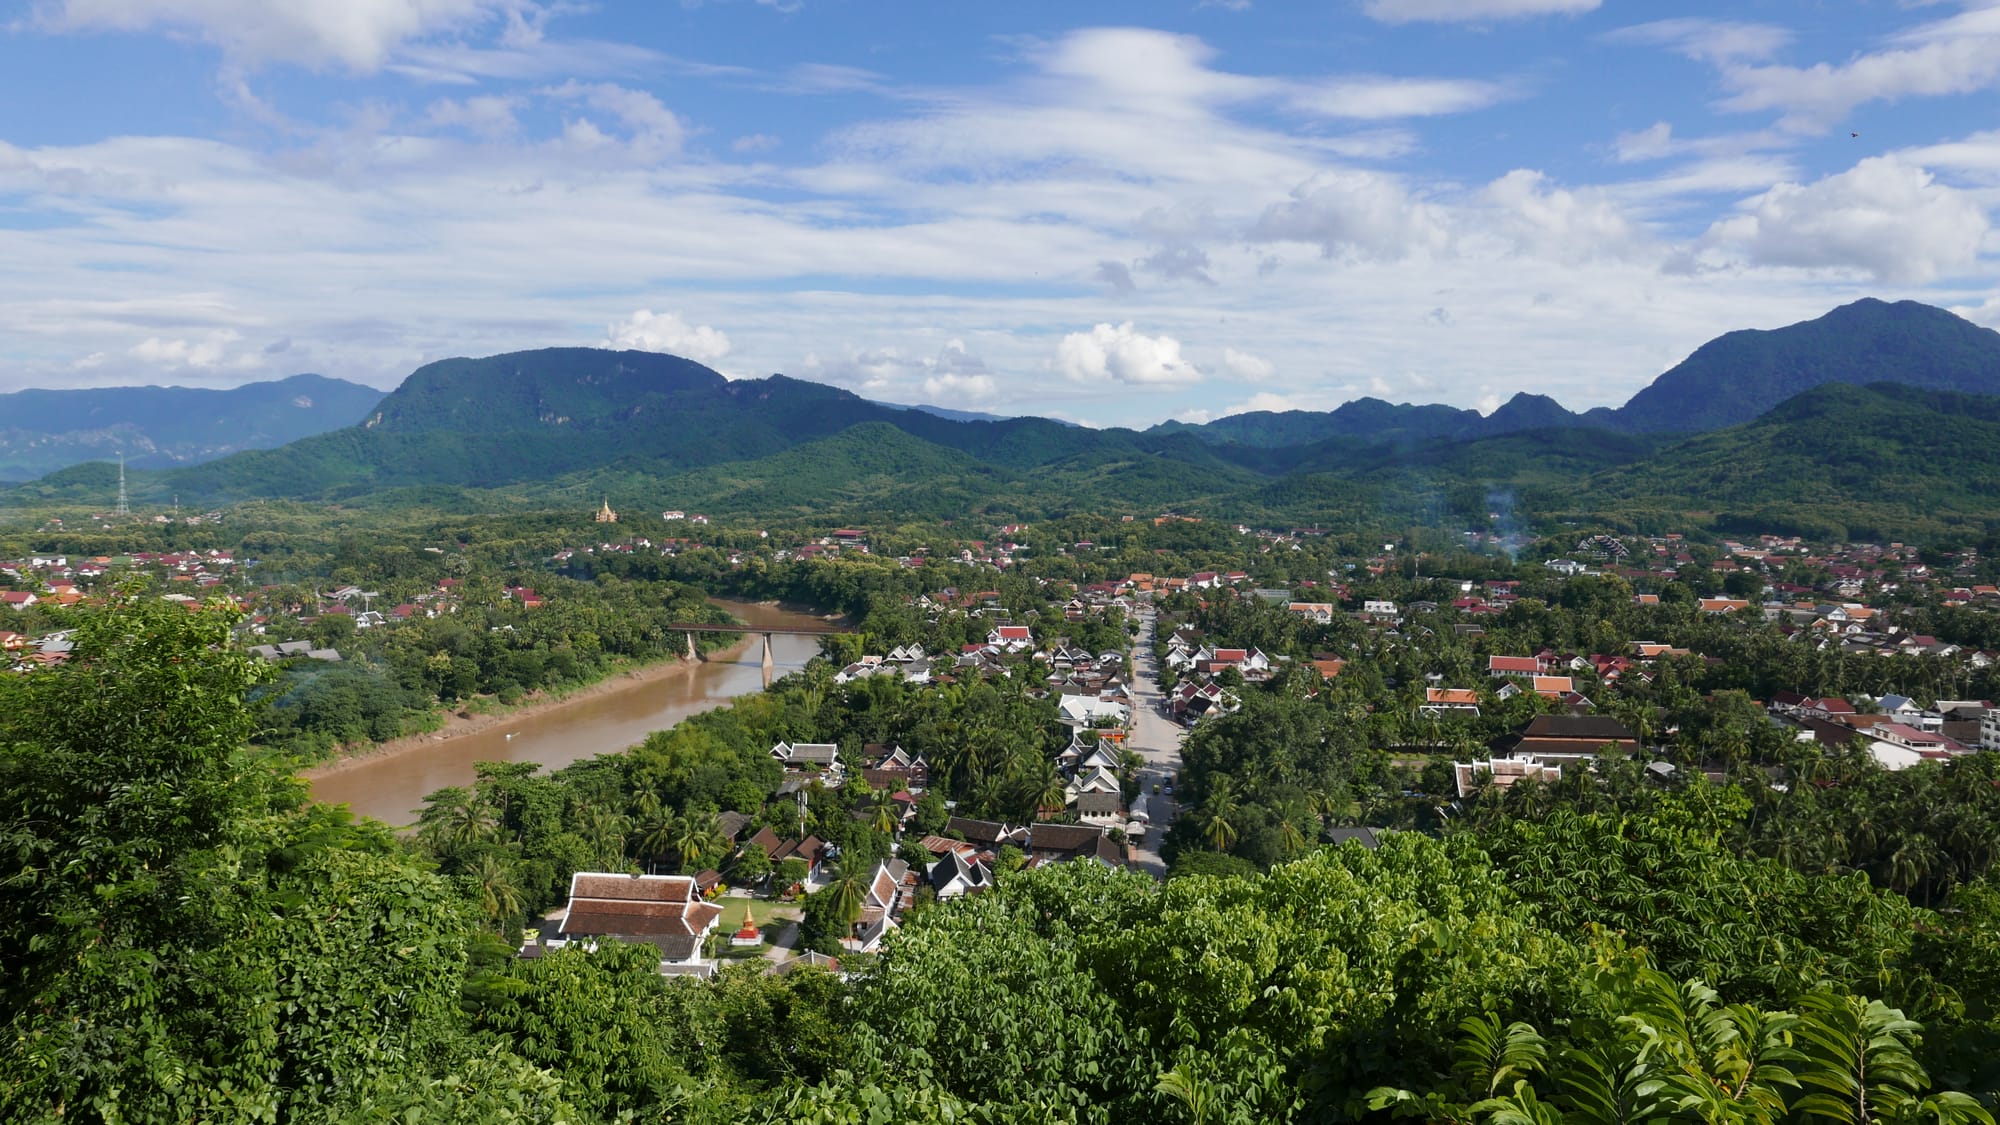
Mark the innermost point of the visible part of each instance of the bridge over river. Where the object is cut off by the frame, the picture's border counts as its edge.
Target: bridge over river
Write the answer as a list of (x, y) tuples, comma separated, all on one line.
[(765, 631)]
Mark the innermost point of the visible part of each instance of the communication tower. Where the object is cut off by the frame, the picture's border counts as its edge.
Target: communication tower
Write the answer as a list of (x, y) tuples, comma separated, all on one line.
[(124, 507)]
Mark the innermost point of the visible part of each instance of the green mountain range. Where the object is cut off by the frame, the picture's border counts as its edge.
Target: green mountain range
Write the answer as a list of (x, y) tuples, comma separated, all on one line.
[(43, 431), (569, 426), (1727, 381)]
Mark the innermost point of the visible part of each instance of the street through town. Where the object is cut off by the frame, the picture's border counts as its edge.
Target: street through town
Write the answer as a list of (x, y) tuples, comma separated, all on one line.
[(1157, 738)]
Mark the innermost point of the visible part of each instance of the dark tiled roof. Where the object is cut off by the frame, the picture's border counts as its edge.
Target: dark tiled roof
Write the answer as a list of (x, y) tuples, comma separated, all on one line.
[(977, 831), (1593, 728), (1078, 838)]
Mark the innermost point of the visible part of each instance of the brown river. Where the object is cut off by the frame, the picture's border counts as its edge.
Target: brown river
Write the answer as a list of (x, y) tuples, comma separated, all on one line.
[(390, 787)]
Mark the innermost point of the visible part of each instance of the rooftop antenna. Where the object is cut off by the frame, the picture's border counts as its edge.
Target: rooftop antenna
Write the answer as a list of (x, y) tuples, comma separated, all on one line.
[(124, 507)]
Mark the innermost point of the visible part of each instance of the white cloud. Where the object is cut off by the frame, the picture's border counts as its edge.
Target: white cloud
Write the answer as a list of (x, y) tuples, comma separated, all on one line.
[(1715, 41), (1815, 97), (1353, 214), (1458, 11), (754, 142), (954, 376), (1978, 154), (1246, 365), (211, 352), (1959, 54), (647, 331), (943, 390), (1372, 98), (1118, 353), (1559, 224), (1885, 217), (357, 34), (1264, 400), (650, 125), (1650, 143), (489, 117), (400, 234)]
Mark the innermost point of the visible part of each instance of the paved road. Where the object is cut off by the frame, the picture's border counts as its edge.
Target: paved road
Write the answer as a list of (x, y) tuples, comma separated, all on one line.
[(1158, 740)]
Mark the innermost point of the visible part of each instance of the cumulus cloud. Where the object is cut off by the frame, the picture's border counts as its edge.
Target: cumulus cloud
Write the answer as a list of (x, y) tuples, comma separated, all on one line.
[(1460, 11), (1353, 214), (1119, 353), (357, 34), (211, 352), (1560, 224), (954, 376), (950, 388), (1246, 365), (1263, 400), (1884, 217), (648, 331)]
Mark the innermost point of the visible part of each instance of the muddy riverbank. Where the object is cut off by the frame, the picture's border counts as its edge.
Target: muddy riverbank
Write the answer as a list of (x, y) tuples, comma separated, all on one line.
[(390, 781)]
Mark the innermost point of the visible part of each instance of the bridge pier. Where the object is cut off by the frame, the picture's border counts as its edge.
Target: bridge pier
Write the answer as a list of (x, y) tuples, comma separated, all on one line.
[(692, 655), (768, 662)]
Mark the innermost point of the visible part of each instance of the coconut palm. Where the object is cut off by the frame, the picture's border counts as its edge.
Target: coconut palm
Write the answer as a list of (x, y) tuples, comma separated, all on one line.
[(697, 841), (499, 894), (1289, 839), (659, 836), (845, 897), (884, 820), (453, 819), (605, 829)]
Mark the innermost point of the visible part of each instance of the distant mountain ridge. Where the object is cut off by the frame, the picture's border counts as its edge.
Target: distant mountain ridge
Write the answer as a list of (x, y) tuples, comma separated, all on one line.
[(568, 426), (42, 431), (1740, 375), (1730, 380)]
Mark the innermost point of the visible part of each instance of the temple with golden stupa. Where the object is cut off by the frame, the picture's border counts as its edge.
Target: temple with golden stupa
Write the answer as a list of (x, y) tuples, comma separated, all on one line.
[(749, 934), (605, 514)]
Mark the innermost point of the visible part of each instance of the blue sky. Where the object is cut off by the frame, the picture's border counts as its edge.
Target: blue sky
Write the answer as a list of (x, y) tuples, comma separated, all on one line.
[(1109, 212)]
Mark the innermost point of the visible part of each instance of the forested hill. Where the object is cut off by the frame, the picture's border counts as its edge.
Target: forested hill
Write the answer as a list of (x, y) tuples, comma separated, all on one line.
[(1739, 376), (42, 431), (1838, 459), (570, 427), (1728, 381)]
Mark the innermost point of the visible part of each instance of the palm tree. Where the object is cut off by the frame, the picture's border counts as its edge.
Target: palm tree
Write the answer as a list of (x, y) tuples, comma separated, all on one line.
[(1289, 839), (455, 818), (660, 836), (1217, 811), (695, 841), (499, 896), (646, 802), (1217, 827), (605, 829), (885, 820), (1051, 791), (845, 895)]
